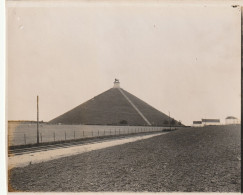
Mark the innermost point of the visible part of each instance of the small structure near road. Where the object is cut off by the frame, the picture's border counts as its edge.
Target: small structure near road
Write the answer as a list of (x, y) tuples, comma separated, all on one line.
[(206, 122), (231, 120), (197, 124)]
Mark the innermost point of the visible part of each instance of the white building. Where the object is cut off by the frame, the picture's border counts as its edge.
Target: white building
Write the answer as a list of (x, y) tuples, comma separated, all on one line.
[(231, 120), (206, 122)]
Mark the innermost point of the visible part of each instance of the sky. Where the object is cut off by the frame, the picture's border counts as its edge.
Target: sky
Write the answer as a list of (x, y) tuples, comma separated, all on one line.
[(182, 59)]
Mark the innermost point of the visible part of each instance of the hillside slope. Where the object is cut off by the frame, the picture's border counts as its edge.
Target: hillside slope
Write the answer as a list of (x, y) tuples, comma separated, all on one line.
[(112, 108)]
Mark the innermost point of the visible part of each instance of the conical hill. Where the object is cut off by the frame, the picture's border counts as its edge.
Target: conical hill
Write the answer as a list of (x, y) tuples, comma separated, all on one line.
[(114, 107)]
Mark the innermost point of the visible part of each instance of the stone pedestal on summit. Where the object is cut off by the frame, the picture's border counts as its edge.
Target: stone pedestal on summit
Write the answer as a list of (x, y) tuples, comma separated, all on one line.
[(116, 84)]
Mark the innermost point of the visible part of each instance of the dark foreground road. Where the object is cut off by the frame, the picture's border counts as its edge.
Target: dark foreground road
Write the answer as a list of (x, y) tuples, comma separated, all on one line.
[(192, 159)]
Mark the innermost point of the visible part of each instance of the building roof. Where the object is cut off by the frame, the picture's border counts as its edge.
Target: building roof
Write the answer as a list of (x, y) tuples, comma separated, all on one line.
[(197, 122), (211, 120), (230, 117)]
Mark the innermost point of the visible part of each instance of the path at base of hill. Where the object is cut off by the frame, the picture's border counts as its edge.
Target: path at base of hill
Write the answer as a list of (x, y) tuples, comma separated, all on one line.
[(43, 156), (192, 159)]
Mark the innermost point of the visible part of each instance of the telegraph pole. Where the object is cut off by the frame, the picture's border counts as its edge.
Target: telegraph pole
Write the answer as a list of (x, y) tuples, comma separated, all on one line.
[(37, 119)]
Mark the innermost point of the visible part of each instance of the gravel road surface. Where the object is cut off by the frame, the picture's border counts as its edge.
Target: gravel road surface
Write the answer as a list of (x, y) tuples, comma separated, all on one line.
[(192, 159), (46, 155)]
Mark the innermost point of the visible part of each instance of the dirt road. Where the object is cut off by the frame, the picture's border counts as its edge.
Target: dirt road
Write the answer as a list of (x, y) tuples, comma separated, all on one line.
[(191, 159)]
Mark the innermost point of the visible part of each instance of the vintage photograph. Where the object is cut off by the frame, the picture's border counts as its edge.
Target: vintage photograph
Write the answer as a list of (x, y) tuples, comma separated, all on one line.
[(123, 96)]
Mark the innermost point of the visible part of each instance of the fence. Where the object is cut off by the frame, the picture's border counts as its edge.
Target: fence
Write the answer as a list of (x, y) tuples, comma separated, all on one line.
[(26, 133)]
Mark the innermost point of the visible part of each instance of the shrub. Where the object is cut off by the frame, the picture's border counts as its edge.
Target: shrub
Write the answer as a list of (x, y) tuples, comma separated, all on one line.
[(173, 121), (123, 122), (166, 122)]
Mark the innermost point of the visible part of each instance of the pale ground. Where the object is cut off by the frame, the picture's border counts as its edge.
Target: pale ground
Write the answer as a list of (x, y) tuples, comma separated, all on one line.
[(43, 156)]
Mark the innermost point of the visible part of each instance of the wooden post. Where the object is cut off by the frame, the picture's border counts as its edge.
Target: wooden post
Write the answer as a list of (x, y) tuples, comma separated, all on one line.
[(37, 119), (65, 136), (41, 137), (170, 122), (74, 134), (98, 133), (83, 133), (54, 135)]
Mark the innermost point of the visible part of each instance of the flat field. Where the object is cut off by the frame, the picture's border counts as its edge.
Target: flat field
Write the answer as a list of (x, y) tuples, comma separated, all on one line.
[(21, 134), (203, 159)]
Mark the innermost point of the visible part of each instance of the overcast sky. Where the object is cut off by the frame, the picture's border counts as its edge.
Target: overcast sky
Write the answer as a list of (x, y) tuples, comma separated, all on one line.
[(178, 58)]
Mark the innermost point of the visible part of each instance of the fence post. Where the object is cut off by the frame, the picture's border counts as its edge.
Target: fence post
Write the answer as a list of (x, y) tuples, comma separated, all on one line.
[(83, 133), (54, 135), (24, 139), (65, 135), (41, 137), (98, 133), (110, 131), (104, 132), (92, 133), (74, 134)]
